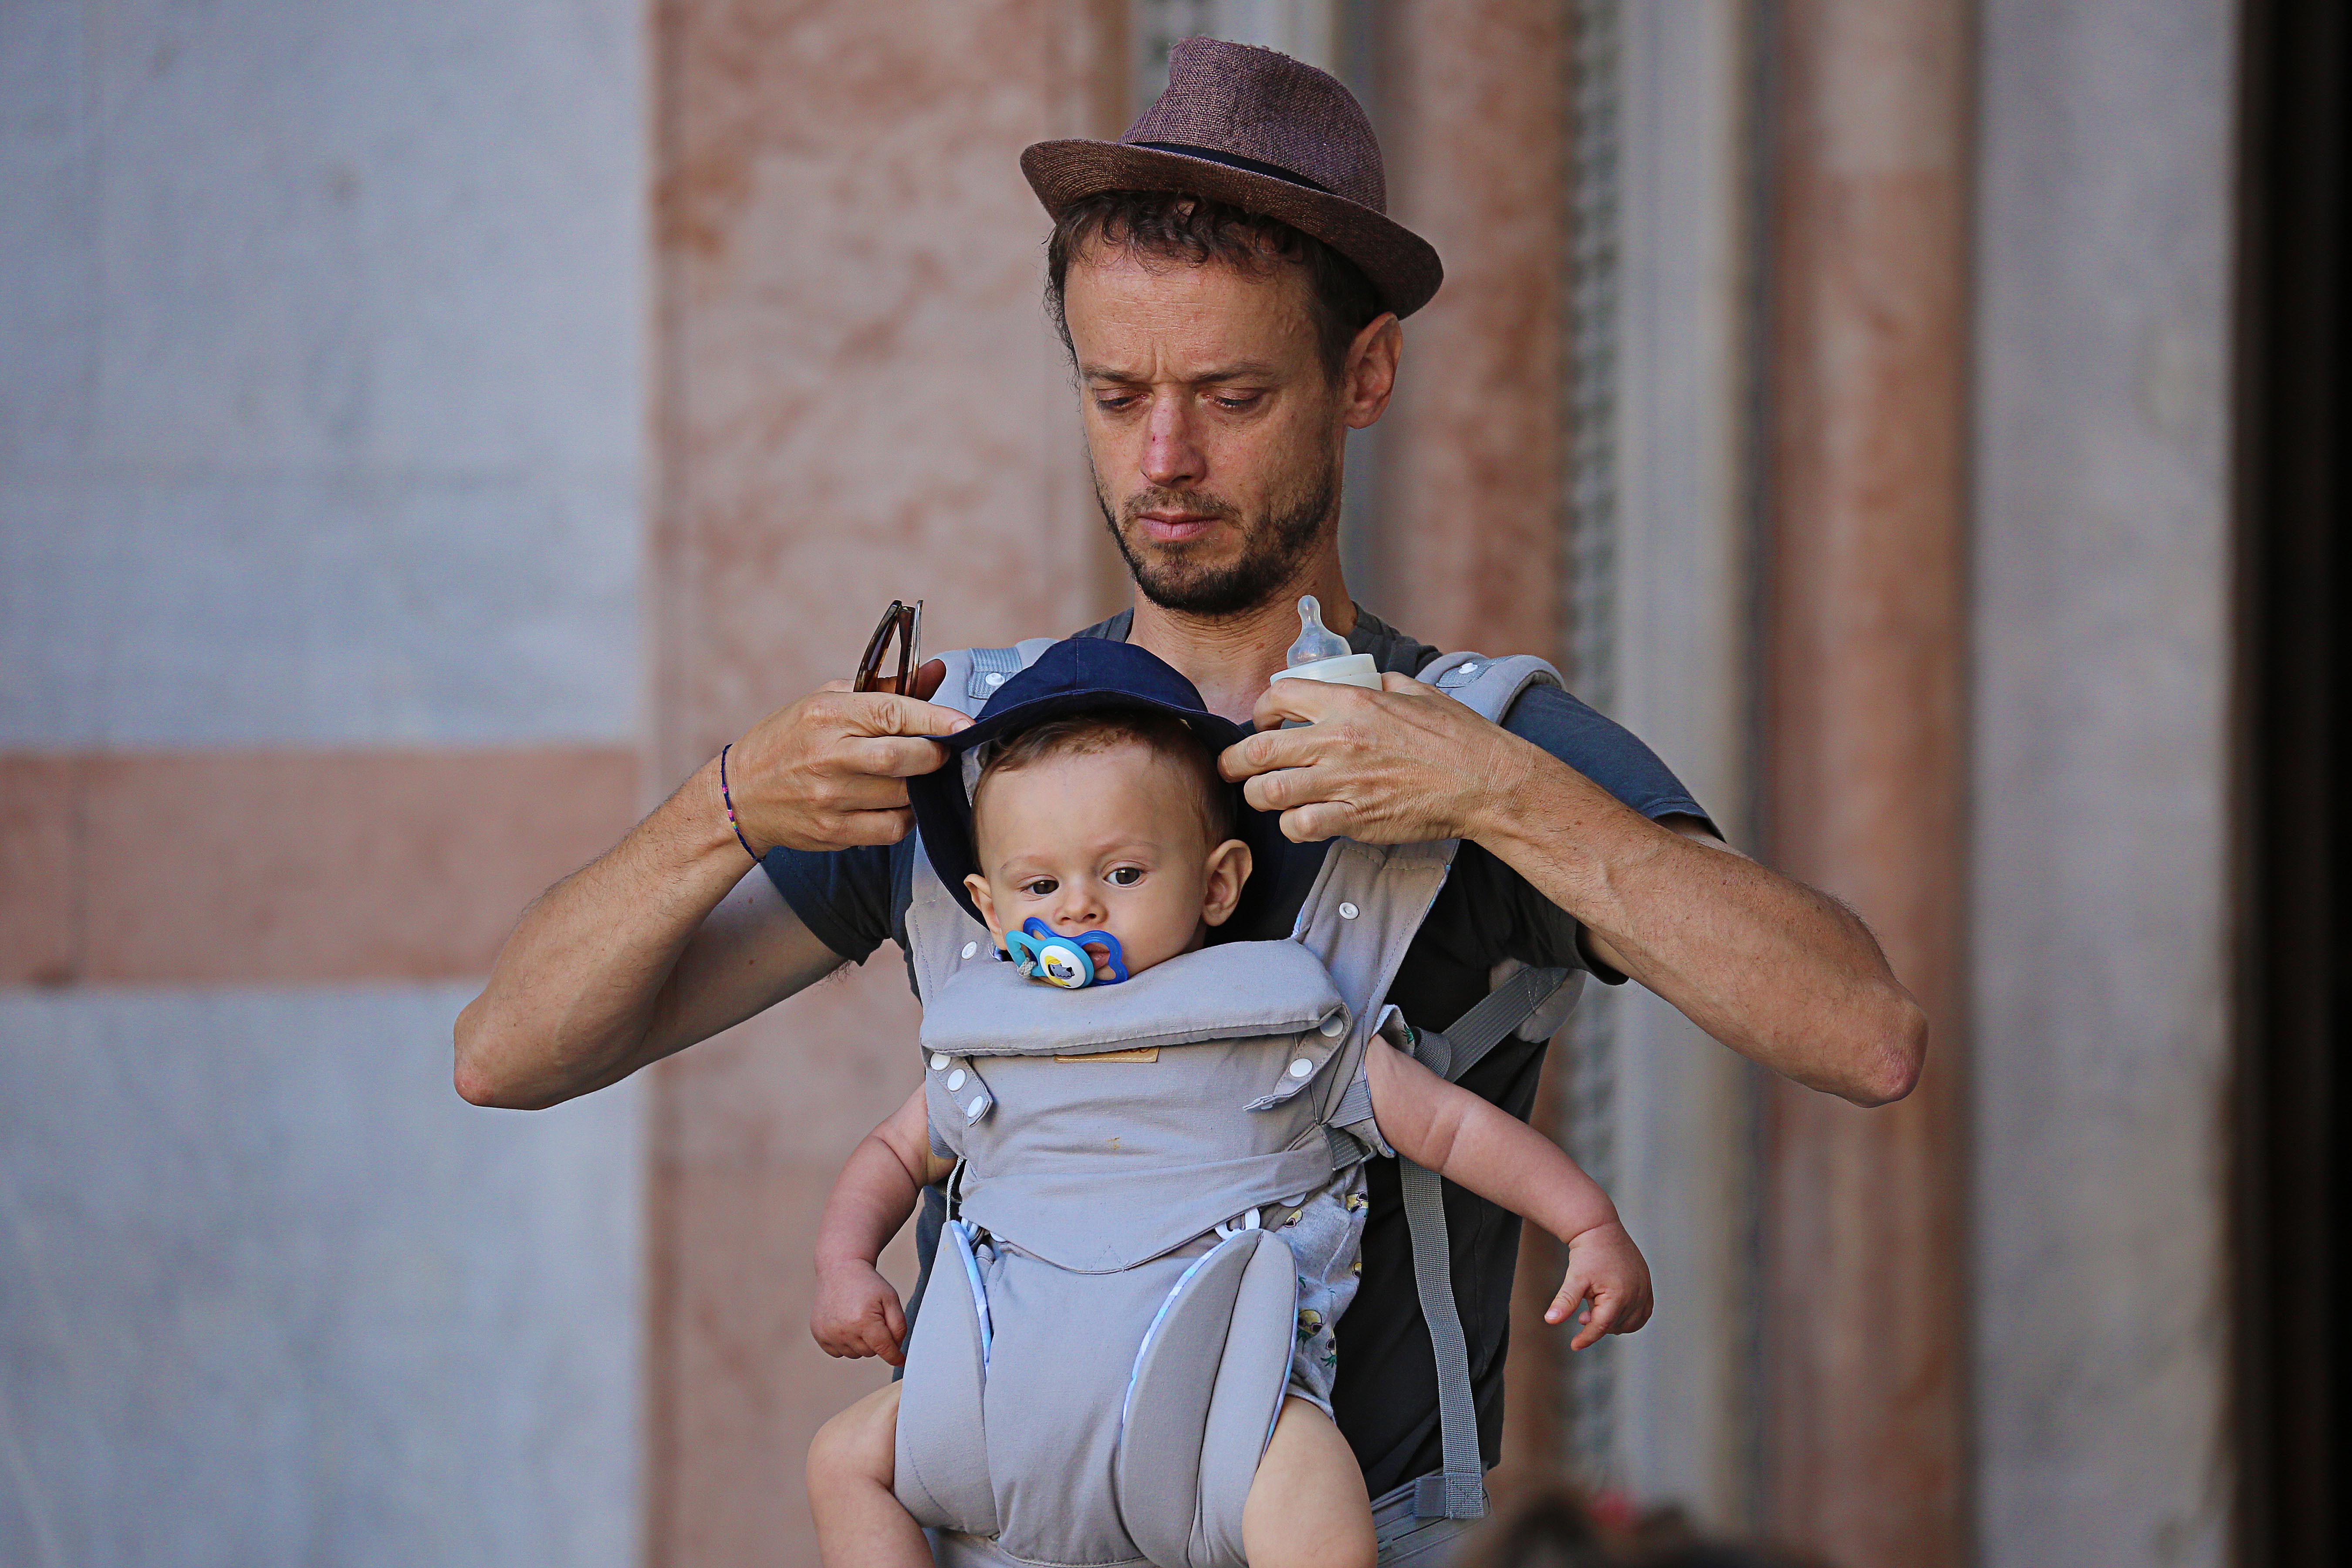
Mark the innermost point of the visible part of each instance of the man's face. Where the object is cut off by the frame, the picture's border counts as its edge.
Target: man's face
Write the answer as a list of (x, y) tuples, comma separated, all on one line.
[(1214, 431)]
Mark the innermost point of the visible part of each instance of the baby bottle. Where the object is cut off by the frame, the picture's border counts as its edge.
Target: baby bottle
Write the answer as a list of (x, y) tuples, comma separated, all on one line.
[(1321, 654)]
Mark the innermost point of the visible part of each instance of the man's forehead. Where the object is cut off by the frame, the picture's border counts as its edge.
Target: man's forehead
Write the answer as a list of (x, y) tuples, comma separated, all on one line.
[(1145, 315)]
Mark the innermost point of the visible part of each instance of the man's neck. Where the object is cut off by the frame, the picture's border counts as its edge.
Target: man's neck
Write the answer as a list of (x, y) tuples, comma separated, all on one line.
[(1232, 657)]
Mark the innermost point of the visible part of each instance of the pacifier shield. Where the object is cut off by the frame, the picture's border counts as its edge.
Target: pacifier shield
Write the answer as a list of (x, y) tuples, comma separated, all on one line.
[(1063, 961)]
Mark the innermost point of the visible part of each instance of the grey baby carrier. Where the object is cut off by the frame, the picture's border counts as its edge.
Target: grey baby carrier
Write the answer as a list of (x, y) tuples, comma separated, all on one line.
[(1104, 1334)]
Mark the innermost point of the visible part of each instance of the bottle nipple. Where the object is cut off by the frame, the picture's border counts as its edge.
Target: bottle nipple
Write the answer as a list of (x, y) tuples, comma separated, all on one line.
[(1316, 641)]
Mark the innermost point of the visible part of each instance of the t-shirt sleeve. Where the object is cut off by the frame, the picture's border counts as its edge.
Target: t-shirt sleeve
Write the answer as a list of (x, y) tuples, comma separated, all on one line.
[(1603, 750), (1536, 930), (844, 896)]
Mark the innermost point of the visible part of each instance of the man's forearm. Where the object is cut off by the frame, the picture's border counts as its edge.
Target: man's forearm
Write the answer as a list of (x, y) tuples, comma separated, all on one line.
[(584, 991), (1771, 968)]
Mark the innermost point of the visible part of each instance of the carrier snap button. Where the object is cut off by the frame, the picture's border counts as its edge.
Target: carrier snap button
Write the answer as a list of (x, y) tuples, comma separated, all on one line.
[(969, 947), (955, 1080), (1348, 911), (1301, 1068), (1332, 1027), (979, 1103), (938, 1061), (994, 678)]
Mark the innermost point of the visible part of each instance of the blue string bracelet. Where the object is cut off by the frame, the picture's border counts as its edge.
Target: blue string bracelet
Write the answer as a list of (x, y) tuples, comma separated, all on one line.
[(730, 801)]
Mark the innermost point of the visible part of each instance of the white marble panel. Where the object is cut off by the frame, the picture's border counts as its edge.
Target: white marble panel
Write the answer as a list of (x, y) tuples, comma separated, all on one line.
[(1684, 1139), (284, 277), (271, 1294), (2102, 656), (496, 607)]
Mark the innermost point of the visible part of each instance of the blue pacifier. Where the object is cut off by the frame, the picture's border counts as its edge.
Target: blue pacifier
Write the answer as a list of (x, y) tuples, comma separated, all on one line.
[(1063, 961)]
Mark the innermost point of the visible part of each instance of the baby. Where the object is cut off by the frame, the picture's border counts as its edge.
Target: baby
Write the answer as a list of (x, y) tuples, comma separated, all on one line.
[(1116, 822)]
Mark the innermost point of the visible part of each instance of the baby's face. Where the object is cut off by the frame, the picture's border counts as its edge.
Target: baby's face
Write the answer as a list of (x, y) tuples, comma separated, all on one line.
[(1110, 841)]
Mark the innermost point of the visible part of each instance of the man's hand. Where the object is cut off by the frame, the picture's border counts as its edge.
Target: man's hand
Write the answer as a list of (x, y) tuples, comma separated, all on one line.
[(830, 771), (1605, 1270), (857, 1313), (1401, 765)]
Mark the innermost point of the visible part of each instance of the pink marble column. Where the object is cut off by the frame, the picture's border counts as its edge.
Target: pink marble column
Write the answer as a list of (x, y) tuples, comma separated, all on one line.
[(857, 399), (1867, 1358), (1474, 105), (1474, 112)]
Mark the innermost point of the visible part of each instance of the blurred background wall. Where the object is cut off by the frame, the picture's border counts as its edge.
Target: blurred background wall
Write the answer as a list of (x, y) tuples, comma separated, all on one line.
[(322, 400), (427, 433)]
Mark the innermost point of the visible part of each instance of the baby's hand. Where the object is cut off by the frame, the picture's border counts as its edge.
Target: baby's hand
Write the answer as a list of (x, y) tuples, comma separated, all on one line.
[(1605, 1264), (857, 1313)]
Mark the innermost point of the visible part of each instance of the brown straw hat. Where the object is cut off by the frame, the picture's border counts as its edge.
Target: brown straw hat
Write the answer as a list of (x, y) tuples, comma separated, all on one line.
[(1268, 134)]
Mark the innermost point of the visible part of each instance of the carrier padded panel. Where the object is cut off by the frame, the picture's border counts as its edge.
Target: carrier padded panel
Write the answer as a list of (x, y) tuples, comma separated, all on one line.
[(1208, 1384), (1064, 1348), (1231, 991), (942, 1474), (1101, 1218)]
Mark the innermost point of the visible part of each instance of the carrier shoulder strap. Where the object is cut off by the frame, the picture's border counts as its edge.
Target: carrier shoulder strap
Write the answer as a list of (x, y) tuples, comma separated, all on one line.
[(1488, 686), (974, 673)]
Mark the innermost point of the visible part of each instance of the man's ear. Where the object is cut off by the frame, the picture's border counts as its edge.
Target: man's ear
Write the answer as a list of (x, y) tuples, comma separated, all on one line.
[(1229, 868), (1368, 375), (977, 885)]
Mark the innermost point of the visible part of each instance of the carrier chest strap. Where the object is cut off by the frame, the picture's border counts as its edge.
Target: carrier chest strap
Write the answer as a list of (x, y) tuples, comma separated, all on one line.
[(1496, 1014)]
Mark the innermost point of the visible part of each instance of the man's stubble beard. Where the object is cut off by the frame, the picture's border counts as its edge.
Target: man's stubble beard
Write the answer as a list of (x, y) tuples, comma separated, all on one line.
[(1273, 548)]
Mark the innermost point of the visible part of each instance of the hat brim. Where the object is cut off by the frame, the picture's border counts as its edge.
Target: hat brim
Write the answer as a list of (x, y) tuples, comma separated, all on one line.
[(944, 811), (1401, 265)]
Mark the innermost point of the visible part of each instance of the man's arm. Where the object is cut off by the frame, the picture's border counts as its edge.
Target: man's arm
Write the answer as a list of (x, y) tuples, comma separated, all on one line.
[(671, 936), (1771, 968)]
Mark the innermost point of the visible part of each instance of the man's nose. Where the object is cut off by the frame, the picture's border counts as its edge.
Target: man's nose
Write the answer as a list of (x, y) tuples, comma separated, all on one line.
[(1171, 458)]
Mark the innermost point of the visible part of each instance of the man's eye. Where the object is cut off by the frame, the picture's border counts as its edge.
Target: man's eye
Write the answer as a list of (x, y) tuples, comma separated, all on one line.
[(1040, 888), (1114, 401), (1127, 876), (1235, 401)]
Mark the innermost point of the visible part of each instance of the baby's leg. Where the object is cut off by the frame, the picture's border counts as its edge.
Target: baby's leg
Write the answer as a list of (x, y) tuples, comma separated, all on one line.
[(1307, 1506), (859, 1523)]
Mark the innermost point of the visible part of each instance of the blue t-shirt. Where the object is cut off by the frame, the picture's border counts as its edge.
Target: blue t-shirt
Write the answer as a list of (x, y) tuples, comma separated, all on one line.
[(1386, 1395)]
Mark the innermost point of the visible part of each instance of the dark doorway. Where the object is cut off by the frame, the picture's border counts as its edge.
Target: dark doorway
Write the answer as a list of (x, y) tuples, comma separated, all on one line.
[(2294, 438)]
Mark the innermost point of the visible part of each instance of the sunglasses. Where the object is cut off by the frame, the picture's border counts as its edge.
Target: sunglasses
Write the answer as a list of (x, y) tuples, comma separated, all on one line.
[(902, 624)]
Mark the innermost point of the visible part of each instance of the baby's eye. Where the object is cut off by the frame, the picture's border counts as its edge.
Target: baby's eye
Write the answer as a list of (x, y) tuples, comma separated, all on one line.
[(1040, 887), (1127, 876)]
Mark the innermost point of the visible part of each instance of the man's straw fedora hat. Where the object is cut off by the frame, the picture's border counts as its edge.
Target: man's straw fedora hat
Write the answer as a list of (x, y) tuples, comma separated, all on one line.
[(1264, 132)]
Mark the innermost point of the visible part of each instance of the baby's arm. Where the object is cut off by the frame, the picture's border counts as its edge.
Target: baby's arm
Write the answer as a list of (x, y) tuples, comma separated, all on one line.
[(1451, 1131), (857, 1313)]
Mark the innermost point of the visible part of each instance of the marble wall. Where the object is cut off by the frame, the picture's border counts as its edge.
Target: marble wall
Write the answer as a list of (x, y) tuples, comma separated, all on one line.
[(2100, 887), (322, 394)]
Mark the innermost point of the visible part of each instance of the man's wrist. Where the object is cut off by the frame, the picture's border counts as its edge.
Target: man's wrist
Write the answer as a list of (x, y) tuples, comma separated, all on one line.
[(1501, 809), (714, 834)]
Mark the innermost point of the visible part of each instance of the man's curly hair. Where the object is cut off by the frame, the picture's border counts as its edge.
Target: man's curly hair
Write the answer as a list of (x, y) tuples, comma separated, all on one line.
[(1174, 226)]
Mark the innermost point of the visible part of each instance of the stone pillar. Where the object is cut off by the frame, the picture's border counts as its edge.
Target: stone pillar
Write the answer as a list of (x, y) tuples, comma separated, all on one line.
[(1669, 588), (2103, 914), (858, 399), (1474, 135), (1865, 1355), (1468, 553)]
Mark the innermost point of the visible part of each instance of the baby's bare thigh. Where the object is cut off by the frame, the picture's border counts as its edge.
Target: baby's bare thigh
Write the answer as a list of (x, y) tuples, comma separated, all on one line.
[(1308, 1506), (862, 1441)]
